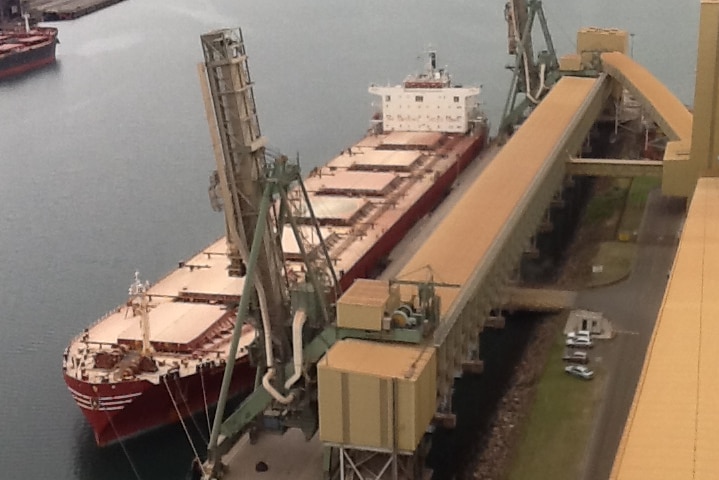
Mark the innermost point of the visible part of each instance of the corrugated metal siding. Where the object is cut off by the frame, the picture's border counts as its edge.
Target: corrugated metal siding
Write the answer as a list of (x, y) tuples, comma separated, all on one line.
[(673, 427), (356, 394)]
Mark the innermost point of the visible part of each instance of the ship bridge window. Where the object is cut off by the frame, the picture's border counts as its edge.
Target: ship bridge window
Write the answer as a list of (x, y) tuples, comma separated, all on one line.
[(387, 98), (456, 99), (419, 98)]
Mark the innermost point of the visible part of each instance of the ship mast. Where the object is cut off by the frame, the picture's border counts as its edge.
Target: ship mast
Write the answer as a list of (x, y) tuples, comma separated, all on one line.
[(139, 301)]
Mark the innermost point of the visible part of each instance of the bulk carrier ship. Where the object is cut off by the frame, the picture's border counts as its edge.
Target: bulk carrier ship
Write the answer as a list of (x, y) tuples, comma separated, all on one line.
[(26, 49), (161, 356)]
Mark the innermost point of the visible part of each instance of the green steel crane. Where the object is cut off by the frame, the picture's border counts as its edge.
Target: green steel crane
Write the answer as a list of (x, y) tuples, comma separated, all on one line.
[(255, 188), (532, 77)]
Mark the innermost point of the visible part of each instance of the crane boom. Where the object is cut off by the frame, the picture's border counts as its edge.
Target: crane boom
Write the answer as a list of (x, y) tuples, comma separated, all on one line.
[(261, 195), (241, 168)]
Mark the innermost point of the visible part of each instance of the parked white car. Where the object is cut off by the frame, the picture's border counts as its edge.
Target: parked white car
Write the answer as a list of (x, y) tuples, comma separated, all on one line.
[(580, 371), (579, 342), (580, 334), (575, 356)]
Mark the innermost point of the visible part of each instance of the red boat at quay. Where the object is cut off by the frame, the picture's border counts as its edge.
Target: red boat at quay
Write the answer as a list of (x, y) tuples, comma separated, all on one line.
[(161, 356), (26, 49)]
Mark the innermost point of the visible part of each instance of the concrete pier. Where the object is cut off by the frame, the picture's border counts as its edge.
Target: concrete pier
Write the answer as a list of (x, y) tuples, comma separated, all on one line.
[(55, 10)]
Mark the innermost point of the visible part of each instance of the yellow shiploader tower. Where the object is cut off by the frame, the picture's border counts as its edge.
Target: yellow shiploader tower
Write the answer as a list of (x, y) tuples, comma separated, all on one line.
[(687, 159), (705, 134)]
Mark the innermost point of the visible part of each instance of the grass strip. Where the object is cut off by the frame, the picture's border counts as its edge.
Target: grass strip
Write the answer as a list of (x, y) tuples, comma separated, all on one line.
[(557, 431), (614, 261), (634, 207), (607, 203)]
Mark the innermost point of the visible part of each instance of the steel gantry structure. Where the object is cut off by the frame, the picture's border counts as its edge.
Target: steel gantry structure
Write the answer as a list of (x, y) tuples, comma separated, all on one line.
[(254, 187), (532, 77)]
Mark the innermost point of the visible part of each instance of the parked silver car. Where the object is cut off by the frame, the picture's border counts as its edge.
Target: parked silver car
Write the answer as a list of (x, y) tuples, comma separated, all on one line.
[(579, 342), (580, 371), (576, 357), (580, 334)]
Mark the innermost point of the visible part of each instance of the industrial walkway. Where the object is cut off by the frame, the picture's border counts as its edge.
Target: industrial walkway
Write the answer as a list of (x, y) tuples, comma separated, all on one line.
[(473, 230), (673, 426), (479, 242), (464, 239)]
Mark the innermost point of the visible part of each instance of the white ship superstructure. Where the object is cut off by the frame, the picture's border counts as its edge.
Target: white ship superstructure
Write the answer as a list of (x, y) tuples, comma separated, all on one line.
[(428, 102)]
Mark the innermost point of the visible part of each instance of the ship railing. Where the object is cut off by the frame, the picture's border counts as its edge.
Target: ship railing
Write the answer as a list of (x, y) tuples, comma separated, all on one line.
[(119, 307), (185, 264), (367, 221), (100, 344), (109, 313), (409, 181), (79, 336)]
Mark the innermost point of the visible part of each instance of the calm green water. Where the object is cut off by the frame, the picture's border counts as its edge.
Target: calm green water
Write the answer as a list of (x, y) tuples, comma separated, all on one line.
[(105, 157)]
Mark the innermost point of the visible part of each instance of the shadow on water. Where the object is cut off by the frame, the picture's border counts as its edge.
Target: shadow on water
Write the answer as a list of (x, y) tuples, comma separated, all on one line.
[(161, 454), (53, 69), (475, 398)]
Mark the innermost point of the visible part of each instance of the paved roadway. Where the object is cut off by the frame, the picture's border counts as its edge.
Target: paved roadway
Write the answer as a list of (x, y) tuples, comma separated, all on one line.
[(632, 305)]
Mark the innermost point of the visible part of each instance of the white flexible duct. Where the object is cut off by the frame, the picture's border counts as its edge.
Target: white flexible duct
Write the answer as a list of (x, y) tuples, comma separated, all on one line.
[(297, 323), (267, 329), (542, 71), (272, 391), (528, 93), (266, 325)]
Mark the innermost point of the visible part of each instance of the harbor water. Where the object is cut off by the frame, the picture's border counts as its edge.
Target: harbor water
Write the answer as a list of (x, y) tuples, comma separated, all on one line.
[(105, 159)]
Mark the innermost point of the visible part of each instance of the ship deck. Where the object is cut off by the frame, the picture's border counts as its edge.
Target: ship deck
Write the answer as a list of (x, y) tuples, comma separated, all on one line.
[(363, 198), (183, 335), (202, 278), (391, 173)]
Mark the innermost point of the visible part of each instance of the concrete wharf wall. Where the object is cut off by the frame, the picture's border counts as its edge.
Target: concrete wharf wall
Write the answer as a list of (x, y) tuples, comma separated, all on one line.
[(54, 10)]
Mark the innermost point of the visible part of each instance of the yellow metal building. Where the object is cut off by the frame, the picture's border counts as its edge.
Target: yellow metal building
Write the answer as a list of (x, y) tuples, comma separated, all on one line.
[(376, 396)]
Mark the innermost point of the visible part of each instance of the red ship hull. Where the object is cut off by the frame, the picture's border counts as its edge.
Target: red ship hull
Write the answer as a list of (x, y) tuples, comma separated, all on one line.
[(25, 51), (127, 409), (366, 266)]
